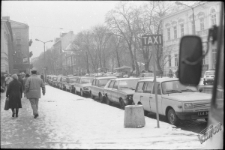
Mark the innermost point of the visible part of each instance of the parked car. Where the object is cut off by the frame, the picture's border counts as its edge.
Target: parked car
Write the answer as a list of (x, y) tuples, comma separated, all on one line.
[(71, 81), (62, 83), (81, 86), (97, 87), (120, 91), (53, 81), (209, 77), (175, 101), (58, 80)]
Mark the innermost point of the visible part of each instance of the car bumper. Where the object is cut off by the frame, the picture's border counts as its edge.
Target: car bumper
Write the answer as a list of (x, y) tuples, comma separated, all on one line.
[(192, 115)]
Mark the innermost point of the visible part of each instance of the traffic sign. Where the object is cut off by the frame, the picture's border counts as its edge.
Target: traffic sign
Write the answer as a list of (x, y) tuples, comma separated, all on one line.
[(149, 40)]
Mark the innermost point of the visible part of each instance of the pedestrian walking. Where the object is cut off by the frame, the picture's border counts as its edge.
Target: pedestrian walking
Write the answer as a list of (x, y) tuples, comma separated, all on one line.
[(8, 79), (33, 87), (24, 83), (42, 77), (14, 93), (2, 82)]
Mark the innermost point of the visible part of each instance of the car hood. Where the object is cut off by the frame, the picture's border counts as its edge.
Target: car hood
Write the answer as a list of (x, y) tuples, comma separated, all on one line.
[(188, 96), (128, 91)]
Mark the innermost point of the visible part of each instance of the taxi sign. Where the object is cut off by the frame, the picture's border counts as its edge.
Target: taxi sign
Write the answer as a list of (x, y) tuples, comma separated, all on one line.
[(148, 40)]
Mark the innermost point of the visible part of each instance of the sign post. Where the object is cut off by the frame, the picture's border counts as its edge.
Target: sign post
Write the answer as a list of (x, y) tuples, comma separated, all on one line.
[(153, 40)]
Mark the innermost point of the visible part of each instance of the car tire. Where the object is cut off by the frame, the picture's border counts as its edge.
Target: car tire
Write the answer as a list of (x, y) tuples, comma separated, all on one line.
[(122, 104), (92, 96), (75, 91), (172, 117), (107, 100), (206, 119), (101, 98)]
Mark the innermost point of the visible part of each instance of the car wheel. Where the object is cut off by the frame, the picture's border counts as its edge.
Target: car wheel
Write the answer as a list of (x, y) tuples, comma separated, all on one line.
[(206, 119), (172, 117), (92, 96), (122, 104), (101, 98), (107, 100), (75, 92)]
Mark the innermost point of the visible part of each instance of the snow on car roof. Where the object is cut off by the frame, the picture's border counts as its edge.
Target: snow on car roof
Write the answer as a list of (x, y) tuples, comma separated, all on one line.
[(118, 79), (108, 77), (160, 79)]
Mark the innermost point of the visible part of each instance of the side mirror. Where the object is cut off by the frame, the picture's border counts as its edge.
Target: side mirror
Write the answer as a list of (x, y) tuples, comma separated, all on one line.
[(190, 62)]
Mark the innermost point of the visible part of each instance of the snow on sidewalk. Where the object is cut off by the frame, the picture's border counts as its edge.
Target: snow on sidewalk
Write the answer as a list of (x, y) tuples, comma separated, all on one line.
[(70, 121)]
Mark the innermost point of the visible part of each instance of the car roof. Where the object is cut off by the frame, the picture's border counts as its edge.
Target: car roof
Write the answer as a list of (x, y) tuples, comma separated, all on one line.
[(108, 77), (160, 79), (120, 79)]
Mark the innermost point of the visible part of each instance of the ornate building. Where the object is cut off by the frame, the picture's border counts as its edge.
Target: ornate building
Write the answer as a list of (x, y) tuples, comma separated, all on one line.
[(176, 25)]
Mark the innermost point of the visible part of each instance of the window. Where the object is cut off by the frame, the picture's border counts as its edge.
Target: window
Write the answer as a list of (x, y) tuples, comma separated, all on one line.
[(213, 19), (168, 33), (111, 84), (201, 24), (182, 29), (103, 82), (115, 86), (93, 82), (175, 32), (148, 87), (169, 59), (159, 90), (18, 41), (176, 60), (139, 88)]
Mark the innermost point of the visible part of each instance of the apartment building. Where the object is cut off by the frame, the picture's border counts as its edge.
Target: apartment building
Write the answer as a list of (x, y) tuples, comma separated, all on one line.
[(176, 25)]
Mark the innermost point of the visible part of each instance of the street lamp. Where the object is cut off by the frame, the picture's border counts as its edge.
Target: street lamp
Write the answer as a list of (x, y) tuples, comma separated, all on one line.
[(44, 55), (193, 18)]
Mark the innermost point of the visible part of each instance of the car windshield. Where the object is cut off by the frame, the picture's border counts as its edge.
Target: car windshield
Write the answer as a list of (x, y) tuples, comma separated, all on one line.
[(103, 82), (73, 80), (86, 80), (209, 73), (130, 84), (175, 87)]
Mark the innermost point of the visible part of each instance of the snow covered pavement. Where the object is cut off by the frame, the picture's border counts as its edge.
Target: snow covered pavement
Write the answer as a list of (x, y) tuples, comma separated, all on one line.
[(70, 121)]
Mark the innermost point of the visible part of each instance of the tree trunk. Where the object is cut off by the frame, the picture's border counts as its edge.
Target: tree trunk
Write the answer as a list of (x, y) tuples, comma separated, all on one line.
[(132, 56), (87, 63)]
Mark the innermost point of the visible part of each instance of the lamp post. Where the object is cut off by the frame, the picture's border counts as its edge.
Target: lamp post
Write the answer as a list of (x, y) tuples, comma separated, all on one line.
[(193, 16), (44, 55)]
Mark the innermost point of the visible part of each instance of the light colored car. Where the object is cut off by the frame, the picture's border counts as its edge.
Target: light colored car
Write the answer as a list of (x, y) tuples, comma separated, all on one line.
[(62, 83), (209, 77), (97, 87), (81, 86), (120, 91), (175, 101)]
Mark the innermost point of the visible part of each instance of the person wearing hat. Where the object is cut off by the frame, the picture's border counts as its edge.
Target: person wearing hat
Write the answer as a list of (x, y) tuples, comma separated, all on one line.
[(14, 93), (8, 79), (33, 87)]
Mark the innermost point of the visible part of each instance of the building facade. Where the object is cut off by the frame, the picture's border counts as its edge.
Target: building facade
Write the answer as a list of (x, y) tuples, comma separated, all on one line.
[(19, 57), (7, 49), (180, 23)]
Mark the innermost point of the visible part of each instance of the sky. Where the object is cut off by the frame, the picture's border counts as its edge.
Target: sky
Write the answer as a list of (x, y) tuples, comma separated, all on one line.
[(45, 18)]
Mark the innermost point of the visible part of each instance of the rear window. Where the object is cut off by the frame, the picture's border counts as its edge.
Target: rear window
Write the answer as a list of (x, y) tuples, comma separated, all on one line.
[(86, 80)]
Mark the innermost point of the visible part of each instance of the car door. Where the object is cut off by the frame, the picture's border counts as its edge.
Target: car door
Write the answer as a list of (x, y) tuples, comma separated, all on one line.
[(138, 92), (115, 92), (159, 99), (145, 100), (109, 89)]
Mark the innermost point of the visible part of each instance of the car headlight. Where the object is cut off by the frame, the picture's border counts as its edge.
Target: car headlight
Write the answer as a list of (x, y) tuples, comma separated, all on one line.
[(130, 97), (85, 88), (188, 106)]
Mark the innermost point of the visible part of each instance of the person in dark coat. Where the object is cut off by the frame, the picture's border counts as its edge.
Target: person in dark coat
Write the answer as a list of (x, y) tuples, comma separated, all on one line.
[(24, 82), (14, 93), (21, 81)]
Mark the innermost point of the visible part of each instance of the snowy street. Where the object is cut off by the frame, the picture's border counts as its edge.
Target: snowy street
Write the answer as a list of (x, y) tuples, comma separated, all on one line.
[(70, 121)]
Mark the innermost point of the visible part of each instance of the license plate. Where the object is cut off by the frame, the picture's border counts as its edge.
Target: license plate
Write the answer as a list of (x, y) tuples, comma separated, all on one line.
[(203, 113)]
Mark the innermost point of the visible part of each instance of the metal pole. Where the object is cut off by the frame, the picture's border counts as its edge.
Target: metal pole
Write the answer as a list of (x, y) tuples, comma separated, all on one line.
[(44, 62), (155, 86), (193, 18)]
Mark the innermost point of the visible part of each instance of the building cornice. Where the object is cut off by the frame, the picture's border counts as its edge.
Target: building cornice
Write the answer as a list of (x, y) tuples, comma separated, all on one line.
[(183, 10)]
